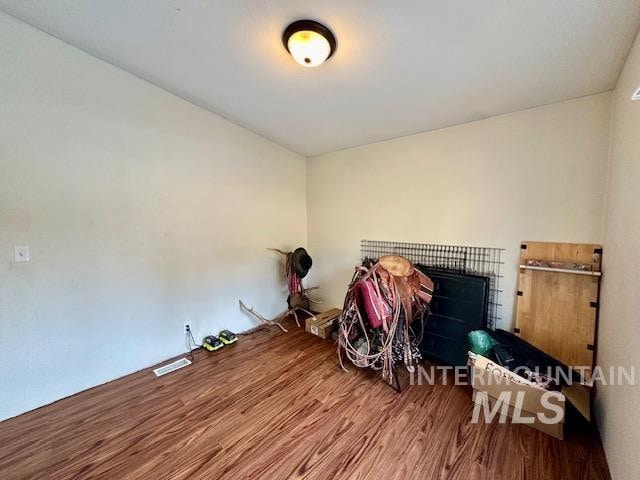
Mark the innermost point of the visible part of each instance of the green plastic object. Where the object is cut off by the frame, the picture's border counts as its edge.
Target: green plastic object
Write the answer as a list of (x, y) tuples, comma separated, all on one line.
[(481, 342)]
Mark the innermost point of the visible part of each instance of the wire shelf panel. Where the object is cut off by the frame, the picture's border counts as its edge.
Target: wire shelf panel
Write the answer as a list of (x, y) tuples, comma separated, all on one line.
[(481, 261)]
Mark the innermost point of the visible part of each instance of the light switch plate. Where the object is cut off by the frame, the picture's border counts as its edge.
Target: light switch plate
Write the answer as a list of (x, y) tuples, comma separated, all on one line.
[(21, 254)]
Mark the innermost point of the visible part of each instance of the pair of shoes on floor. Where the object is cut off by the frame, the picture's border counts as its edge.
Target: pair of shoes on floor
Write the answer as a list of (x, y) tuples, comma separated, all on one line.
[(212, 343)]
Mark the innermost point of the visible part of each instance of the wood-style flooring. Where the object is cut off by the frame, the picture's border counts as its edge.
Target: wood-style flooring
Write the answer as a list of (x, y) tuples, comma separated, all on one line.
[(277, 406)]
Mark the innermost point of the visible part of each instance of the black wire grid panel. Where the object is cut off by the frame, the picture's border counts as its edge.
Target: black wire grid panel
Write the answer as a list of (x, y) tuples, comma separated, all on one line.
[(482, 261)]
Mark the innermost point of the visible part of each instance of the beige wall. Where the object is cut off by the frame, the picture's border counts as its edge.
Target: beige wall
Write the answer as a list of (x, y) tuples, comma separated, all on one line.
[(537, 174), (142, 212), (618, 407)]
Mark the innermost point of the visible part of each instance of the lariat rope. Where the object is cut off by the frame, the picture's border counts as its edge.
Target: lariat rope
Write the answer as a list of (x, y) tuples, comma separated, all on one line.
[(399, 300)]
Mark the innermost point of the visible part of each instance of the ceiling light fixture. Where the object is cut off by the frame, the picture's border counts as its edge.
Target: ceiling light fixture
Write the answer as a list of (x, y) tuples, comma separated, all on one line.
[(310, 43)]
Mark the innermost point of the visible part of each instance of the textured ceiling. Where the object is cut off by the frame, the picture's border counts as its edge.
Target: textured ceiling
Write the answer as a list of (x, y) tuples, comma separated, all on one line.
[(401, 66)]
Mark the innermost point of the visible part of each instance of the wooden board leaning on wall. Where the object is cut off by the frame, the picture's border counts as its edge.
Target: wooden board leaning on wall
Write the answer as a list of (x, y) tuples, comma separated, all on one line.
[(557, 308)]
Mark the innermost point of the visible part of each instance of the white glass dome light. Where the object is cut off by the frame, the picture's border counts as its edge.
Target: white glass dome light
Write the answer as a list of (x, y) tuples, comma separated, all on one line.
[(310, 43)]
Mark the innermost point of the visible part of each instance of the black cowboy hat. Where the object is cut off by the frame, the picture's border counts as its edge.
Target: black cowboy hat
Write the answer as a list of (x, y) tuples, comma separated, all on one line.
[(301, 262)]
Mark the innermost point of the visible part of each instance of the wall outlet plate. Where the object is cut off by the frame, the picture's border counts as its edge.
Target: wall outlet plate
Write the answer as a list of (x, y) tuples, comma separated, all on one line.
[(21, 253)]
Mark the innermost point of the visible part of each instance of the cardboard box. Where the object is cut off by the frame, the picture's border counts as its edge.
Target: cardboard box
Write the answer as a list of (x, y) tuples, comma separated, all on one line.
[(321, 318), (323, 324), (524, 401), (324, 331)]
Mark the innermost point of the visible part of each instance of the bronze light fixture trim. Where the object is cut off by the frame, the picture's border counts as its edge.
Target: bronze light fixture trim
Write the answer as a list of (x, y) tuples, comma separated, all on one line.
[(310, 43)]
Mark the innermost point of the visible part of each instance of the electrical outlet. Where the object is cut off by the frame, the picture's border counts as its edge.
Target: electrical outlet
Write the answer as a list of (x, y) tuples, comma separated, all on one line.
[(187, 327)]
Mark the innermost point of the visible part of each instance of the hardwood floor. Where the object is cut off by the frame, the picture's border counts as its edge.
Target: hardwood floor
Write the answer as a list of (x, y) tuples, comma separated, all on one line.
[(276, 406)]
